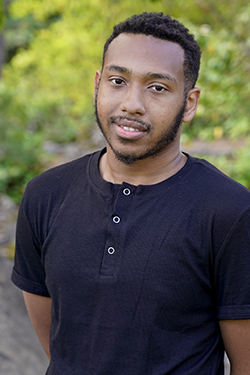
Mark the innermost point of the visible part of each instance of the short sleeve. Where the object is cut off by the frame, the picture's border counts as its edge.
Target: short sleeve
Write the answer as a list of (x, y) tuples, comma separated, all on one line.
[(232, 272), (28, 272)]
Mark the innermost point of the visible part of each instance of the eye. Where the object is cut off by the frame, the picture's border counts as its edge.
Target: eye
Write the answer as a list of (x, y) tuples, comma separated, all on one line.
[(158, 88), (117, 81)]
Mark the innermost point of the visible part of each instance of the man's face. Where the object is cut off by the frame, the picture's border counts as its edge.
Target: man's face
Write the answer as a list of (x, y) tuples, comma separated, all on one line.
[(139, 96)]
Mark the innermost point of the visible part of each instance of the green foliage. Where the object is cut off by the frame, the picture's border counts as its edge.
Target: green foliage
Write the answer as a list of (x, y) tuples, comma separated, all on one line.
[(2, 17), (20, 147), (54, 48), (225, 66)]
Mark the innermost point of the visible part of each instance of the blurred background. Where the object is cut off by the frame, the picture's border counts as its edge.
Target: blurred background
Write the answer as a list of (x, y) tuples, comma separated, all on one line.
[(49, 51)]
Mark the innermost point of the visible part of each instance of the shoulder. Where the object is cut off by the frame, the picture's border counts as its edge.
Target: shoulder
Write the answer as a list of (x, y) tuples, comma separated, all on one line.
[(217, 204), (48, 192), (52, 186), (214, 182), (218, 197), (62, 175), (61, 172)]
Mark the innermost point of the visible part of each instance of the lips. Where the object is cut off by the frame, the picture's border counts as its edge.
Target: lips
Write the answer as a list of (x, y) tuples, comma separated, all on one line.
[(129, 129), (132, 125)]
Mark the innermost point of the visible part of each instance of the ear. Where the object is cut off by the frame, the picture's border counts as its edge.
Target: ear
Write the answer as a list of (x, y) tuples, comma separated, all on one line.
[(98, 75), (192, 104)]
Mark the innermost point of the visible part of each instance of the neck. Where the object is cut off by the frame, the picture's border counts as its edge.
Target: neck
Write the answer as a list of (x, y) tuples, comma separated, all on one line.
[(143, 172)]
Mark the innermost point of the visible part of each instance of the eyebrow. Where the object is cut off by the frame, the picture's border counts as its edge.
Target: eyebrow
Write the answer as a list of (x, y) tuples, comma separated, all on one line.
[(122, 69), (118, 68), (167, 77)]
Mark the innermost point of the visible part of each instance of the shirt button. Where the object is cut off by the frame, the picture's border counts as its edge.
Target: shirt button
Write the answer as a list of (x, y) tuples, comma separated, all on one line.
[(111, 250), (116, 219), (126, 191)]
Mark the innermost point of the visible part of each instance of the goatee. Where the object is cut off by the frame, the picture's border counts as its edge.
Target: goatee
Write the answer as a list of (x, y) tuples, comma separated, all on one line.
[(168, 137)]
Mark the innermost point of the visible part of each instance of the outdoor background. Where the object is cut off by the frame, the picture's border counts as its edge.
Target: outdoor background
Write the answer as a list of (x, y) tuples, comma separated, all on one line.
[(49, 51)]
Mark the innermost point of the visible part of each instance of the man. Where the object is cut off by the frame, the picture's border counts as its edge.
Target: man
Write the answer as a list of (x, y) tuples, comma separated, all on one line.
[(135, 260)]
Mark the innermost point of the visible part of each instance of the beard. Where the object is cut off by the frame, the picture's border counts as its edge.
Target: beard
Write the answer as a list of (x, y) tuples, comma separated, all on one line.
[(167, 137)]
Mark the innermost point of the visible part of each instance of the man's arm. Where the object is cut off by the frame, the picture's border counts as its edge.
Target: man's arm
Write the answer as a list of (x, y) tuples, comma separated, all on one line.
[(236, 337), (39, 310)]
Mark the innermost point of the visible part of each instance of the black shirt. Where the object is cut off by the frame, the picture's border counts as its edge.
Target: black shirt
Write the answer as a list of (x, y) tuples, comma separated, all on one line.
[(140, 275)]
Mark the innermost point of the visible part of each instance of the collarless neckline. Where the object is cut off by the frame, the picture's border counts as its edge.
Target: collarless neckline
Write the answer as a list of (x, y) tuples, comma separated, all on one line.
[(106, 186)]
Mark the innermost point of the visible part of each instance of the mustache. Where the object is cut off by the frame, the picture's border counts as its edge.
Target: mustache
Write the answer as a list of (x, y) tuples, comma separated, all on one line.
[(136, 120)]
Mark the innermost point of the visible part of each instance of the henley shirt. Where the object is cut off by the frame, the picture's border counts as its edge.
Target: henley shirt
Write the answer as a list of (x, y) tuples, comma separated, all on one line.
[(139, 276)]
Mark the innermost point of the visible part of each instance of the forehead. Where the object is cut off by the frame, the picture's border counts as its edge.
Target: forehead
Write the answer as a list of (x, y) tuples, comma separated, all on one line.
[(143, 53)]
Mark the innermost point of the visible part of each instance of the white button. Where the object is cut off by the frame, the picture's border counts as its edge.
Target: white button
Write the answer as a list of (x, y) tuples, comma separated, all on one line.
[(116, 219), (111, 250), (126, 191)]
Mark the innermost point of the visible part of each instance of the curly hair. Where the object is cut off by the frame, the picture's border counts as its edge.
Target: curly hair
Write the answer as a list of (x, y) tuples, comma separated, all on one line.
[(166, 28)]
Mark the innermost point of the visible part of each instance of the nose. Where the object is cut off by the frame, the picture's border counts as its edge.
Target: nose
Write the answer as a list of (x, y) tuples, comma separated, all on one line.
[(133, 101)]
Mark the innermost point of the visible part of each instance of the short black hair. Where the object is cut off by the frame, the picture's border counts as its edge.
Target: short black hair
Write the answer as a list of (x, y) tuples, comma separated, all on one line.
[(163, 27)]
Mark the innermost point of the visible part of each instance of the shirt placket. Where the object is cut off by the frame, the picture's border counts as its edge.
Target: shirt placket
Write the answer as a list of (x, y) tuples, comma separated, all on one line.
[(116, 230)]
